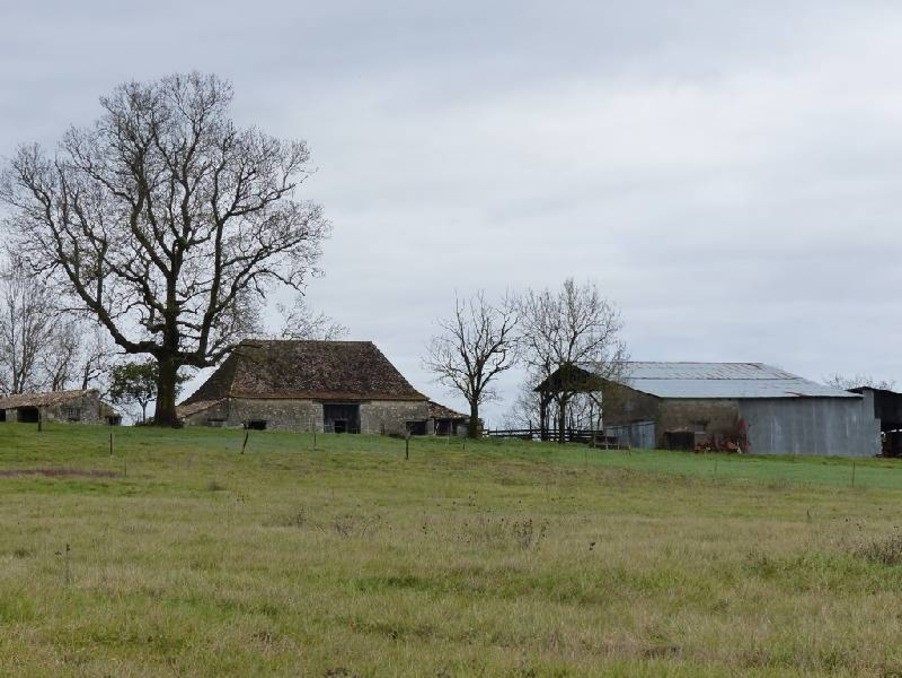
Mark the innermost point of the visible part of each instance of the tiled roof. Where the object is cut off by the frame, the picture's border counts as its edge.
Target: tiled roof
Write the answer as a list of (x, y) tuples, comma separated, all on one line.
[(721, 380), (189, 409), (319, 370), (47, 399), (438, 411)]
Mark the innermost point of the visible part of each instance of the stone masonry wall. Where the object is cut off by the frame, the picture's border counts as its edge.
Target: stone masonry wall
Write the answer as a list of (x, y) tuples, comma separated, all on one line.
[(715, 415), (378, 416), (88, 411), (390, 416), (280, 415), (630, 406)]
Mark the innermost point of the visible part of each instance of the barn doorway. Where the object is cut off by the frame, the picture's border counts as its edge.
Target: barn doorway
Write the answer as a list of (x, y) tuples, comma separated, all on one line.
[(29, 415), (341, 417)]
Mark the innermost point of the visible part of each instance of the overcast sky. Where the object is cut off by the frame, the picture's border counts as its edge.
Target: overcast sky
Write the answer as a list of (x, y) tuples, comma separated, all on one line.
[(729, 173)]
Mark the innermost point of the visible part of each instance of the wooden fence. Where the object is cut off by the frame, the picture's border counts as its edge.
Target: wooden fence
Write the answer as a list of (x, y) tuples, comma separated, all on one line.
[(571, 435)]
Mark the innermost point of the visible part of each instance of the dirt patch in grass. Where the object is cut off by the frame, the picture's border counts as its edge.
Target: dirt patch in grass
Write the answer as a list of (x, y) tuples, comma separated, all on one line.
[(57, 473)]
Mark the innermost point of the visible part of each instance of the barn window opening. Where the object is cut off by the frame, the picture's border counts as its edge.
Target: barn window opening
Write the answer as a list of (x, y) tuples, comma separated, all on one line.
[(73, 413), (256, 424)]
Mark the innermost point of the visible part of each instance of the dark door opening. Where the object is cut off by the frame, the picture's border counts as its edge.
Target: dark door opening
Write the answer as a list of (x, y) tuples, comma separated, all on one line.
[(341, 417), (29, 415), (416, 428), (256, 425)]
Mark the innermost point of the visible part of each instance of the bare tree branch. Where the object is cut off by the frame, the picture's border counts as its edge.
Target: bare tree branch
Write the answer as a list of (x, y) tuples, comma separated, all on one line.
[(302, 322)]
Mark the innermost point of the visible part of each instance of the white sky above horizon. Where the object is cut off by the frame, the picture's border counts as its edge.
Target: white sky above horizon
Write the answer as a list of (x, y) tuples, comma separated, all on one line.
[(726, 172)]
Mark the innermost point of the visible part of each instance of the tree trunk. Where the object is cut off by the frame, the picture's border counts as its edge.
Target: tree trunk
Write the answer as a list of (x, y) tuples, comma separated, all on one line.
[(543, 416), (164, 415), (473, 424), (562, 421)]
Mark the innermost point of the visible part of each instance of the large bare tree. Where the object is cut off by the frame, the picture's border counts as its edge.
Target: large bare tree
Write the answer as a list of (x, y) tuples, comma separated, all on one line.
[(475, 345), (166, 221), (565, 328)]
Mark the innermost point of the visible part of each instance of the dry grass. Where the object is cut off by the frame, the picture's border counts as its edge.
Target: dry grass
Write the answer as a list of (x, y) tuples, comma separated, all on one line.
[(513, 559)]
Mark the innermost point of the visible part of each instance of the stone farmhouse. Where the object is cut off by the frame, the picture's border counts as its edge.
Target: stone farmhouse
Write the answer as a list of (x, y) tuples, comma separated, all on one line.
[(755, 407), (83, 407), (324, 386)]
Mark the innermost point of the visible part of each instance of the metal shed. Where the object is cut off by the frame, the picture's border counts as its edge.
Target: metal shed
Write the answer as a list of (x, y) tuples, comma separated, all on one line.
[(758, 408)]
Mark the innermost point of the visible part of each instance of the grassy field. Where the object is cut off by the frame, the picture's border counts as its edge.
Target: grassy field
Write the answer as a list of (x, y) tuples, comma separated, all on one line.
[(178, 555)]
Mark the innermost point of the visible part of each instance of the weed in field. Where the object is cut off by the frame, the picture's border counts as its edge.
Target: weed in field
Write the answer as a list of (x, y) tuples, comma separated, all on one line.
[(884, 551), (502, 533), (354, 525), (296, 518), (527, 533)]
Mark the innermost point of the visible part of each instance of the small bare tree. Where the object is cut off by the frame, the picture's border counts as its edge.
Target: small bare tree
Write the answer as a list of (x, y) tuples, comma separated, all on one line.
[(302, 322), (43, 346), (475, 345), (843, 382), (566, 328), (29, 322), (166, 222)]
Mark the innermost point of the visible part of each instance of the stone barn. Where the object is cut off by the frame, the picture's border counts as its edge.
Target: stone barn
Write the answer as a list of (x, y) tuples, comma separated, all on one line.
[(82, 407), (324, 386), (755, 407)]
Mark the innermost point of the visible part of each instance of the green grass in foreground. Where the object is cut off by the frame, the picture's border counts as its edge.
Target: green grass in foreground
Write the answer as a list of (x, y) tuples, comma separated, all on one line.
[(522, 559)]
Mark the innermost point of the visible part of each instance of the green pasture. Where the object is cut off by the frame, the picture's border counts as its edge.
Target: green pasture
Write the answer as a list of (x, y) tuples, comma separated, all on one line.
[(180, 555)]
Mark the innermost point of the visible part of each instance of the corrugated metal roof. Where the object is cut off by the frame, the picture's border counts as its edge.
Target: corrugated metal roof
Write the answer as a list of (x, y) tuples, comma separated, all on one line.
[(721, 380)]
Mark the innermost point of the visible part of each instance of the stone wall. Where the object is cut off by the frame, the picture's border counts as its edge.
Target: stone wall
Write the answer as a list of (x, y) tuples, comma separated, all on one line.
[(705, 416), (378, 416), (629, 406), (391, 416), (84, 410)]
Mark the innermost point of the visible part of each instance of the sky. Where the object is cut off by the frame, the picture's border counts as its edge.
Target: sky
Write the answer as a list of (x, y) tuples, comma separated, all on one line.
[(728, 173)]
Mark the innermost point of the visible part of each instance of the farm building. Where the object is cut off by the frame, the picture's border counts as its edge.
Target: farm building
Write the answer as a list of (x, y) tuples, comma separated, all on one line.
[(888, 411), (326, 386), (445, 421), (83, 407), (754, 407)]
